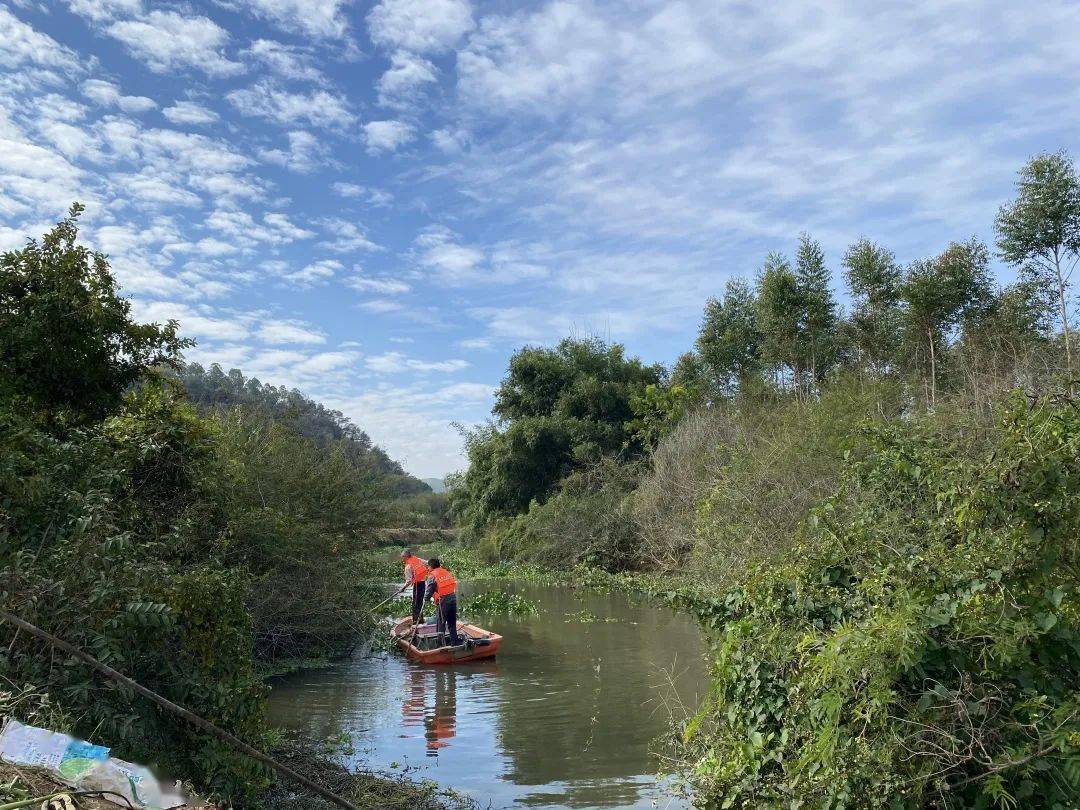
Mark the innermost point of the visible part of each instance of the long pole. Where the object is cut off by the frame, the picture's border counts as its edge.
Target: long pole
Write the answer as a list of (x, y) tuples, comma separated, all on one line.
[(387, 599), (191, 717)]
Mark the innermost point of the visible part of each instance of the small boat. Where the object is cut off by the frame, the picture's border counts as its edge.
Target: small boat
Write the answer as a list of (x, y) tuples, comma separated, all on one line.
[(423, 645)]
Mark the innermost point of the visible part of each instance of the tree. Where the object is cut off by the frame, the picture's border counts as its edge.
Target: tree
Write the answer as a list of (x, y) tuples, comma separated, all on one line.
[(1040, 229), (819, 339), (873, 278), (938, 293), (779, 316), (559, 410), (729, 340), (67, 339)]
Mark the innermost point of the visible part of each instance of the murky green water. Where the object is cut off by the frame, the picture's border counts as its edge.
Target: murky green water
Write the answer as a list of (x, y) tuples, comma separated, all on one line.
[(566, 716)]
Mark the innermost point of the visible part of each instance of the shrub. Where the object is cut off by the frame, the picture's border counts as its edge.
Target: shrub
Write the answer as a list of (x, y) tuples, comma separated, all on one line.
[(920, 643), (587, 520)]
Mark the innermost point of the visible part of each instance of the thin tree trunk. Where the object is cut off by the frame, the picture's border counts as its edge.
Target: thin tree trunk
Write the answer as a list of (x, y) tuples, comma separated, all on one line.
[(1064, 311), (933, 369)]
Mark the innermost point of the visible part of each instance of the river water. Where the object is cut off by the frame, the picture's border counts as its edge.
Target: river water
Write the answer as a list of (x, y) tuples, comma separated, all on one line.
[(566, 716)]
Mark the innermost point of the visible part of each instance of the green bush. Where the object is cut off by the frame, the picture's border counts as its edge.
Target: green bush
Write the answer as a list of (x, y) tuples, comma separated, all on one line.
[(588, 520), (108, 539), (779, 457), (920, 643)]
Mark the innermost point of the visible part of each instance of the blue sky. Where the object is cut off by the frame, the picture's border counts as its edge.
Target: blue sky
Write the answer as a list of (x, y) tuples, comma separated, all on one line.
[(378, 202)]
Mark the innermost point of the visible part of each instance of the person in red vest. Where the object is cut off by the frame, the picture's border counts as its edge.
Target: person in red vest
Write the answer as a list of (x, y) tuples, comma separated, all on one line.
[(442, 587), (416, 571)]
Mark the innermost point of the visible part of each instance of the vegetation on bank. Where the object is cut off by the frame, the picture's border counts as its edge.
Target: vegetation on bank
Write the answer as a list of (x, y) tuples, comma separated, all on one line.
[(186, 550), (876, 512)]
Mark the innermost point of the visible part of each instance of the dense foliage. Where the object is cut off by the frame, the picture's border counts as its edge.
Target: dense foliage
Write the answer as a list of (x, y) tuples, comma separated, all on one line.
[(923, 641), (559, 410), (883, 530), (185, 551), (214, 391)]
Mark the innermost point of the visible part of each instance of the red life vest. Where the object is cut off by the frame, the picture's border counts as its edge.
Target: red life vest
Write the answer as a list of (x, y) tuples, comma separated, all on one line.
[(418, 567), (445, 584)]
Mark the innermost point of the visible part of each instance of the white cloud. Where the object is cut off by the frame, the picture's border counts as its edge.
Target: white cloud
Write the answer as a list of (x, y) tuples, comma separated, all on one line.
[(194, 322), (475, 343), (99, 10), (396, 362), (439, 250), (305, 153), (349, 190), (289, 332), (286, 60), (241, 227), (450, 141), (188, 112), (20, 44), (35, 180), (346, 236), (108, 94), (316, 18), (422, 26), (317, 272), (157, 186), (355, 191), (380, 286), (400, 85), (324, 362), (386, 136), (319, 108), (382, 306), (167, 41), (465, 392)]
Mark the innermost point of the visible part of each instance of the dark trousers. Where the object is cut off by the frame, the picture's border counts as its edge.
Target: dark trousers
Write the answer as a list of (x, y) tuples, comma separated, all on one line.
[(447, 611), (417, 602)]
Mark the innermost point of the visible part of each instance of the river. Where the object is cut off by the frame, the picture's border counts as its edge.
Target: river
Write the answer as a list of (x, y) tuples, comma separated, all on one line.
[(566, 716)]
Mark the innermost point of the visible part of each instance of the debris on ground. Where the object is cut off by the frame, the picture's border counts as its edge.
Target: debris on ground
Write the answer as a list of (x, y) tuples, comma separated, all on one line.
[(56, 760)]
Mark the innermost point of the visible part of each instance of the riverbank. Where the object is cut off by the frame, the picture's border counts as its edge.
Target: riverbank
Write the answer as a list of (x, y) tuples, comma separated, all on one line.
[(363, 788)]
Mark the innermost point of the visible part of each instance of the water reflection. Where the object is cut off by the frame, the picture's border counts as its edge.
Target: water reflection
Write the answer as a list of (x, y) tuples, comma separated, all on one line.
[(565, 717), (430, 706)]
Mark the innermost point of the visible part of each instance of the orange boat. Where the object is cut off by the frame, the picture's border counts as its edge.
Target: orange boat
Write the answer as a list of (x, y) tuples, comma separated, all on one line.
[(422, 646)]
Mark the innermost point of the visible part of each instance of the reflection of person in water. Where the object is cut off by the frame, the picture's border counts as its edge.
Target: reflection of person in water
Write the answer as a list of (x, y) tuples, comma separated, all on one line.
[(440, 725), (412, 709)]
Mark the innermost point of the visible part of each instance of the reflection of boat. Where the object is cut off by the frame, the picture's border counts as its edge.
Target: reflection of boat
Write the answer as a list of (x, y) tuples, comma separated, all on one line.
[(423, 645)]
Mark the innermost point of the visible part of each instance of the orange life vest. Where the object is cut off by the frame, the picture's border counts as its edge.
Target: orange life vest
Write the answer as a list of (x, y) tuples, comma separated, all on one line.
[(418, 568), (445, 584)]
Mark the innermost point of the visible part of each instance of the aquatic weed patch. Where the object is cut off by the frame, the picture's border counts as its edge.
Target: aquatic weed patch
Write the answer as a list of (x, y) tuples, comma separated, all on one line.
[(585, 617), (501, 602)]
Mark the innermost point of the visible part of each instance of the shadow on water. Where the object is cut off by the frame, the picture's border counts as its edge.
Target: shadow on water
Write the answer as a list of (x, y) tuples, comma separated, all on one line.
[(567, 716)]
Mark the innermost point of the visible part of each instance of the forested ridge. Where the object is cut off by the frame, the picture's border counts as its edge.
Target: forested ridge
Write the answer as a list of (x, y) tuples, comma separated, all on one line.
[(215, 391), (874, 512), (194, 530)]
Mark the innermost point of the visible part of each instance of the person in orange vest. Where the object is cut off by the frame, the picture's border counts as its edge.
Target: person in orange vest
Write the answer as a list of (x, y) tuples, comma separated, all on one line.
[(416, 571), (442, 588)]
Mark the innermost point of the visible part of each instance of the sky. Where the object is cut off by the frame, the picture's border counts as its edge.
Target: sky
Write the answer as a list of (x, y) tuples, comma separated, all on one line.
[(377, 203)]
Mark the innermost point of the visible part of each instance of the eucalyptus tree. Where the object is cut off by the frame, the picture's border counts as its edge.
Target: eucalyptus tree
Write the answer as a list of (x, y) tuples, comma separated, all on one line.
[(1040, 230), (873, 278), (937, 294), (779, 315), (729, 341), (819, 320)]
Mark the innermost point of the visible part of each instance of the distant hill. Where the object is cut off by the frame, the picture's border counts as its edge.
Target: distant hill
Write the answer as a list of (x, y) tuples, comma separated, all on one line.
[(436, 484), (212, 388)]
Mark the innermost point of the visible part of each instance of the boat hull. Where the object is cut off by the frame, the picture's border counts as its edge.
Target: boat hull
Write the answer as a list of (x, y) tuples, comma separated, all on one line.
[(485, 643)]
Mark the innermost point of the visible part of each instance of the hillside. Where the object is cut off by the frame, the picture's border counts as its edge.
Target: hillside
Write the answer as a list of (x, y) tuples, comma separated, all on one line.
[(212, 389)]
